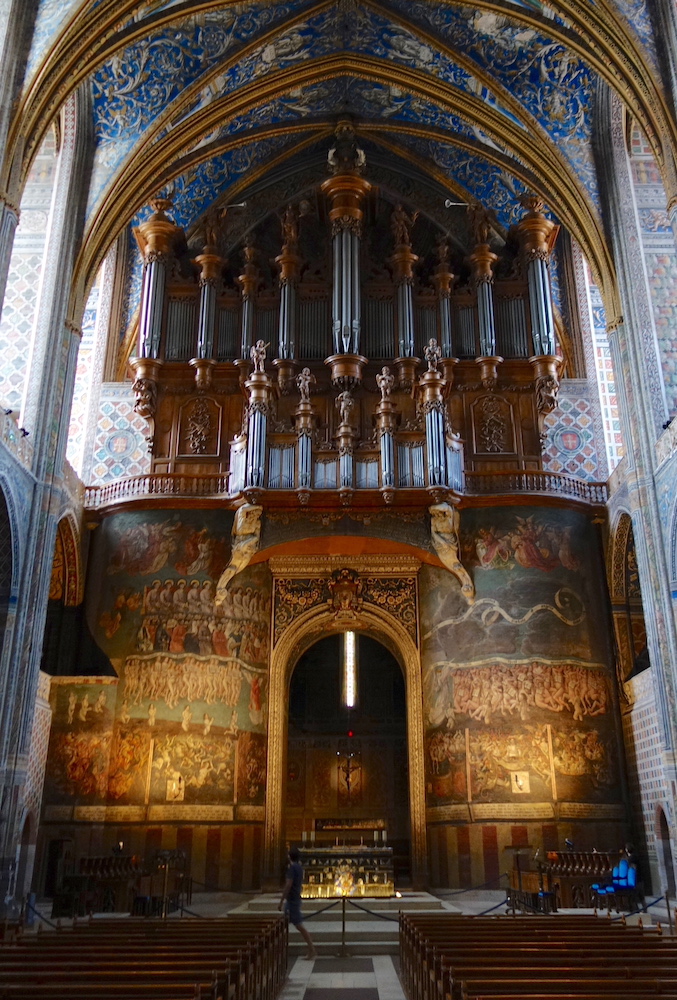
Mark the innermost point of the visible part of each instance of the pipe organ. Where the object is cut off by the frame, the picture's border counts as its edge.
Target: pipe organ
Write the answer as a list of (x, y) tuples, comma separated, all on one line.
[(353, 360)]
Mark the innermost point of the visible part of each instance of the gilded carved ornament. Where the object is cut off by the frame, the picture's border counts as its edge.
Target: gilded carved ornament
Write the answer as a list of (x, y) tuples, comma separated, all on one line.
[(346, 587)]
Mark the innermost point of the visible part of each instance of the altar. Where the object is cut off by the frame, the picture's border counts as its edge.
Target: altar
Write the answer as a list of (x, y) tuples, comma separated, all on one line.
[(348, 870)]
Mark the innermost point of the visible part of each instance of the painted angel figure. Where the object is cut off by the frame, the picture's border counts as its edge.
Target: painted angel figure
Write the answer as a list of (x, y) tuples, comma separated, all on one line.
[(258, 355), (304, 380), (400, 224), (432, 354), (386, 382)]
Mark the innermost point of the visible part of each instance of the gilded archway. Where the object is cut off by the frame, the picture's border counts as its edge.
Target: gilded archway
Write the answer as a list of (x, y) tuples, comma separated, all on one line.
[(384, 605)]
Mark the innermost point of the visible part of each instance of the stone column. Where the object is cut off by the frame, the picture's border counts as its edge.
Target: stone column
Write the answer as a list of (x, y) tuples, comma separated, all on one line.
[(211, 266), (17, 19), (9, 220), (249, 283), (47, 413), (346, 191), (638, 373)]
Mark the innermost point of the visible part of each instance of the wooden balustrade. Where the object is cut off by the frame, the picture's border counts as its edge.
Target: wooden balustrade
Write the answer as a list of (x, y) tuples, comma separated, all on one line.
[(216, 487)]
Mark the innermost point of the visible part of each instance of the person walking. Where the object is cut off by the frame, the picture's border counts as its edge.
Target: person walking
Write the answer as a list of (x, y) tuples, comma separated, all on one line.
[(291, 899)]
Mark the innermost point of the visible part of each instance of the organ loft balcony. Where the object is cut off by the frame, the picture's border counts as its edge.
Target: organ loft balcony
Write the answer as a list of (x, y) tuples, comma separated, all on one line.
[(348, 350)]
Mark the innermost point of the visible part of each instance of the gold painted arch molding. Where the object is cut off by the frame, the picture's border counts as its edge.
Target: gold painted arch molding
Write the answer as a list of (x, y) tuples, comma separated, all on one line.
[(595, 33), (535, 159)]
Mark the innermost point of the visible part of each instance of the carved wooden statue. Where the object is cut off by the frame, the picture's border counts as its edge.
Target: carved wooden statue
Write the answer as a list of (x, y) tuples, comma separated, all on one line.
[(386, 382), (246, 535), (345, 404), (444, 525), (432, 354), (401, 224), (258, 356), (304, 380)]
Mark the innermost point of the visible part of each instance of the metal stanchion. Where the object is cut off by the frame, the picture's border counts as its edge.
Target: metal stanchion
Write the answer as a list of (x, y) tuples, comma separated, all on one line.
[(667, 904), (343, 953), (165, 891)]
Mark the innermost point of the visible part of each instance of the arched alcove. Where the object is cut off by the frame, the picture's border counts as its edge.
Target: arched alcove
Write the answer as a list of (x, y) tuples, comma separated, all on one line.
[(626, 597), (665, 859), (347, 761), (308, 628)]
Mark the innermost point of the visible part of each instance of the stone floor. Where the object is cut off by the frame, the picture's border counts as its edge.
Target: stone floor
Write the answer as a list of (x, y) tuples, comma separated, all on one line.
[(363, 978)]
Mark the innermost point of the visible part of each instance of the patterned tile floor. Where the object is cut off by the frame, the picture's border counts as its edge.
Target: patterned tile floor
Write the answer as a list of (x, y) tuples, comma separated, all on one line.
[(343, 979)]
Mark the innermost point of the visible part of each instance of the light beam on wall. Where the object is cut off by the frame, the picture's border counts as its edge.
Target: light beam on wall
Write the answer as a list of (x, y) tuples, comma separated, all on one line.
[(349, 669)]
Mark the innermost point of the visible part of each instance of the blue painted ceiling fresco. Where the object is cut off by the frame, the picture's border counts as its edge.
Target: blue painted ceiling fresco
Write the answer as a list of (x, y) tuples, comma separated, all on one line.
[(170, 77), (493, 87)]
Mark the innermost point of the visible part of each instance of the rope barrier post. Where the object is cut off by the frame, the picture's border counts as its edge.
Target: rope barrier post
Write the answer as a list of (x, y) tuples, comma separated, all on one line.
[(667, 904), (343, 953), (165, 892)]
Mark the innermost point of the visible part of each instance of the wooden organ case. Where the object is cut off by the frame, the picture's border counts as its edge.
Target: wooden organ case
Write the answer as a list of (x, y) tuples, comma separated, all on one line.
[(368, 319)]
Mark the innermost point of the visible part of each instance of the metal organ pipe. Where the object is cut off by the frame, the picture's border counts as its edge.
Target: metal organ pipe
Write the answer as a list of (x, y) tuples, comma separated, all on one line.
[(536, 234), (540, 302), (152, 308), (305, 461), (387, 459), (247, 326), (157, 235), (434, 429), (485, 316)]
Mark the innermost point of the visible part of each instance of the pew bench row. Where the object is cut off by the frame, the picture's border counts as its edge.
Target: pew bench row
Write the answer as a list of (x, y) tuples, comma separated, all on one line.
[(214, 959), (453, 957)]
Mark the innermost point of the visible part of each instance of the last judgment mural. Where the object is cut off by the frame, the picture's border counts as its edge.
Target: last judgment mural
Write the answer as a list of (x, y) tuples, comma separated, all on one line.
[(181, 730), (519, 701)]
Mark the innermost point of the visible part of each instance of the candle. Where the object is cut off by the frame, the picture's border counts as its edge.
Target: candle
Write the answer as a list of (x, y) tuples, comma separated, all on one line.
[(375, 836), (385, 836), (312, 836), (303, 835)]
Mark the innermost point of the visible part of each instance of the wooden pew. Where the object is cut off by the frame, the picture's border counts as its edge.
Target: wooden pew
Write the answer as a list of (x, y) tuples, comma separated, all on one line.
[(449, 956), (128, 959)]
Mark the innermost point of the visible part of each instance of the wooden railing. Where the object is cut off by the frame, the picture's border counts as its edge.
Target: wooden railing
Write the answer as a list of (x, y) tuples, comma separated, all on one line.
[(163, 485), (483, 483), (216, 486)]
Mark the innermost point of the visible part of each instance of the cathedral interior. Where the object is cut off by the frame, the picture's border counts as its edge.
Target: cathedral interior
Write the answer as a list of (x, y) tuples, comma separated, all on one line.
[(338, 458)]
